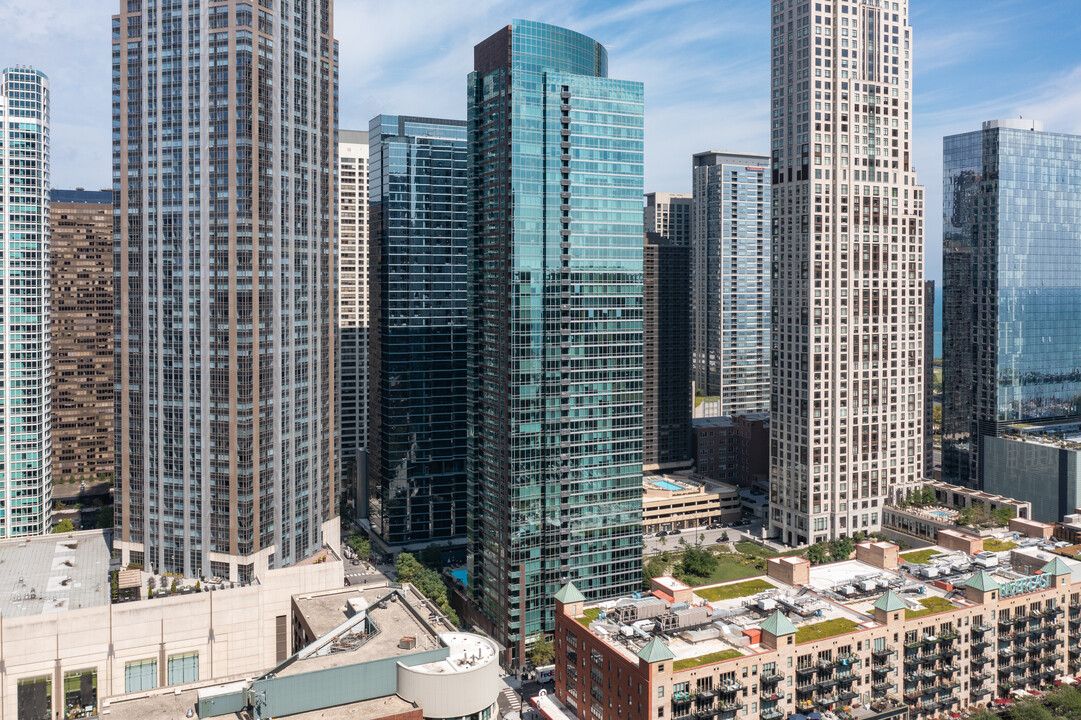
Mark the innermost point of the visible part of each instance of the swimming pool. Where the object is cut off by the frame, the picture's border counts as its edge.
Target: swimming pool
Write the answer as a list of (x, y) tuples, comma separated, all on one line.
[(665, 485), (943, 514)]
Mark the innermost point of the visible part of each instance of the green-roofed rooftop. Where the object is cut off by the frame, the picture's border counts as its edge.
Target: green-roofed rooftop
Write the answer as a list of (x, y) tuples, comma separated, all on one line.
[(569, 594), (890, 603), (777, 624), (656, 651), (983, 582)]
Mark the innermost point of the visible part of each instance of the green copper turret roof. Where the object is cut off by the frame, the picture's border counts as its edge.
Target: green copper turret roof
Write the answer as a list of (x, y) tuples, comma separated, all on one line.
[(890, 603), (569, 594), (777, 624)]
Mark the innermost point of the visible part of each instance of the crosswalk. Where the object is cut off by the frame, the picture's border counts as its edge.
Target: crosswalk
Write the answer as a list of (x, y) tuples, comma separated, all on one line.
[(511, 698)]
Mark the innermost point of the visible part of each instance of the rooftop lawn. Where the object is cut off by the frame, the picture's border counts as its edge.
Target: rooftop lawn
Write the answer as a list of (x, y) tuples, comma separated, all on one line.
[(996, 545), (931, 605), (699, 399), (824, 629), (716, 657), (918, 557), (737, 590), (589, 616)]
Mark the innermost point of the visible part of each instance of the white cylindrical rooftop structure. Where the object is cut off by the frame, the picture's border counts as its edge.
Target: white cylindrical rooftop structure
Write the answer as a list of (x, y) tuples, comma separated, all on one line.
[(466, 682)]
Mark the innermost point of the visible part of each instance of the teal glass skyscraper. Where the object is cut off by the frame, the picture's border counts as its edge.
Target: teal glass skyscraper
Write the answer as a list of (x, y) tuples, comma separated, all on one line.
[(25, 341), (555, 425)]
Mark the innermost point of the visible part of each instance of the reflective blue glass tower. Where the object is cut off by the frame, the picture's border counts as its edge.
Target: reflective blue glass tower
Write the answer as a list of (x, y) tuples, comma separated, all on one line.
[(419, 297), (555, 379), (1012, 286)]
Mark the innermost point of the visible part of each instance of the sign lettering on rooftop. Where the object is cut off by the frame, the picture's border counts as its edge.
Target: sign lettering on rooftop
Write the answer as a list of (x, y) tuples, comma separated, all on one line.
[(1032, 583)]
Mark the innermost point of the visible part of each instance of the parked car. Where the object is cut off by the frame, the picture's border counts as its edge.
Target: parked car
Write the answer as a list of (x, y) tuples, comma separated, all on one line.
[(347, 581), (677, 531), (662, 533)]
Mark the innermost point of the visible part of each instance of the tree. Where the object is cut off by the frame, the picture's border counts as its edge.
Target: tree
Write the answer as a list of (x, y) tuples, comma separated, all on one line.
[(361, 546), (427, 581), (432, 556), (724, 536), (841, 548), (1065, 702), (64, 526), (697, 562), (663, 540), (654, 567), (105, 517), (1030, 710), (983, 714), (817, 554), (936, 418), (1003, 514), (542, 652)]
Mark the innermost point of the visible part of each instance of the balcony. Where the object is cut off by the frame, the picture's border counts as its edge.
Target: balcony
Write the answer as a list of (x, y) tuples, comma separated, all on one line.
[(981, 629), (772, 679), (881, 653), (805, 671), (806, 689), (771, 714), (882, 669)]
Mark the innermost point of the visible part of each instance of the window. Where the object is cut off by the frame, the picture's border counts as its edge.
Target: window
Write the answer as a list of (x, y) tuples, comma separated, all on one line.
[(35, 699), (140, 675), (183, 668), (80, 694), (660, 691)]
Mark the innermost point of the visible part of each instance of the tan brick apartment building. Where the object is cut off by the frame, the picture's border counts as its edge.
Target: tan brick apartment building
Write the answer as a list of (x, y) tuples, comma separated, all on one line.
[(870, 636)]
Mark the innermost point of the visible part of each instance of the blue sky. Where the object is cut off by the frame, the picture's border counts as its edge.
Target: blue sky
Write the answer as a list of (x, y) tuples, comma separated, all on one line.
[(703, 62)]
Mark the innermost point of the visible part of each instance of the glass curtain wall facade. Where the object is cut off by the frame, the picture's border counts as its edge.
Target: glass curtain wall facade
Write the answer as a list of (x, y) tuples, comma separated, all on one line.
[(555, 424), (224, 124), (353, 296), (1012, 286), (666, 354), (730, 255), (419, 306), (25, 338), (847, 412)]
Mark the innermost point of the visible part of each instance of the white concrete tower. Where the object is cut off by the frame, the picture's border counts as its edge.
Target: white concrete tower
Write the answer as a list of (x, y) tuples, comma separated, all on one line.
[(847, 286), (353, 295)]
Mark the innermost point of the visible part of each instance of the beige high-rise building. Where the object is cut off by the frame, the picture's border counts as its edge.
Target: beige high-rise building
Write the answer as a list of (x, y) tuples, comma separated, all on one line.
[(669, 215), (847, 367), (353, 295), (227, 359)]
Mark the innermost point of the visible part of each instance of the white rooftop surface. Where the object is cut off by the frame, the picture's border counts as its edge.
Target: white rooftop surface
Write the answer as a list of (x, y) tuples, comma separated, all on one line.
[(826, 577), (550, 707), (467, 652), (54, 573)]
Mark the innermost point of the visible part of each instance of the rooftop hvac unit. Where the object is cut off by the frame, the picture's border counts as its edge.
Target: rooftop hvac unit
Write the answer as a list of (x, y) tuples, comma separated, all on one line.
[(868, 585), (767, 604)]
